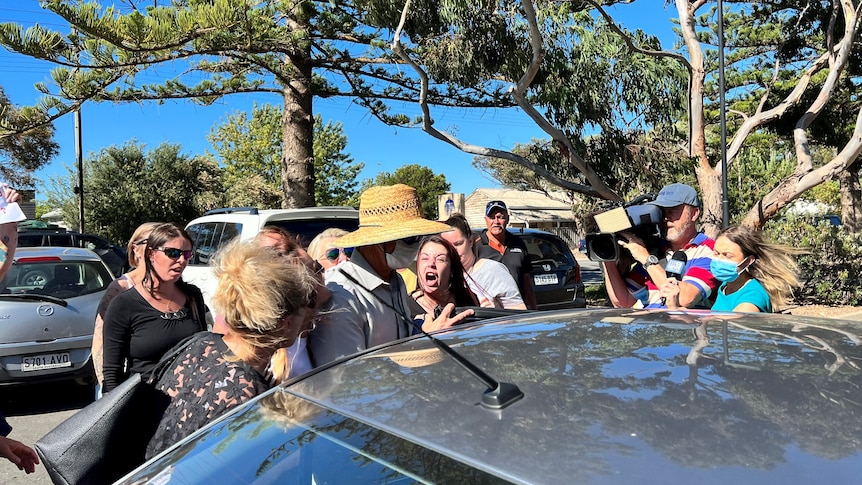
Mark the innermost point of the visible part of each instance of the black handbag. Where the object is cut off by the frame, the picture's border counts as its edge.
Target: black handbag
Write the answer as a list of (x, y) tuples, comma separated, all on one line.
[(107, 439)]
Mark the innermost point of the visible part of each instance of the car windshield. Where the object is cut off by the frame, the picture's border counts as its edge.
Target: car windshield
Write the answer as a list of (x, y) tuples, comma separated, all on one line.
[(54, 277)]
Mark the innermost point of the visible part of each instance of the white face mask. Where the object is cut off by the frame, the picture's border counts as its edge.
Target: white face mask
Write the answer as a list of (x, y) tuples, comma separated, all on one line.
[(403, 254)]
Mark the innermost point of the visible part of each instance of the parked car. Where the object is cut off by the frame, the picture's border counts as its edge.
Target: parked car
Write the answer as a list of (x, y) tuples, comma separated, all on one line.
[(212, 230), (113, 255), (832, 219), (556, 273), (48, 302), (594, 396)]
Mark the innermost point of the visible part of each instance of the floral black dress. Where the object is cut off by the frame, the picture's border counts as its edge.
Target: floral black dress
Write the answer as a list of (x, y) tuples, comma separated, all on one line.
[(203, 383)]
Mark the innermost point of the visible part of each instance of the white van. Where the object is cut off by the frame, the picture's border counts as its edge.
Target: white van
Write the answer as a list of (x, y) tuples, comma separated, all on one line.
[(210, 231)]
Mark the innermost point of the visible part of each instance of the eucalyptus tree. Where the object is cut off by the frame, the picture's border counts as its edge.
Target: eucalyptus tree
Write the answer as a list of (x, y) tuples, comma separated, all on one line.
[(293, 49), (787, 60), (787, 65)]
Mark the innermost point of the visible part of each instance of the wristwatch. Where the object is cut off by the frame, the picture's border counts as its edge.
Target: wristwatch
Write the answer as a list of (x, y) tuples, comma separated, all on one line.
[(651, 260)]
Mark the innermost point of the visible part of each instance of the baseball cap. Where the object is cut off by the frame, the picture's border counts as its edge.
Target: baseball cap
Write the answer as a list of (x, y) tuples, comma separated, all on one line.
[(495, 204), (677, 194)]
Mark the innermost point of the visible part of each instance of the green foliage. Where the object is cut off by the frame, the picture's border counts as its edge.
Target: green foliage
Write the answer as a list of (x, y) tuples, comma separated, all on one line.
[(335, 172), (597, 296), (831, 270), (429, 186), (756, 171), (42, 208), (250, 150), (828, 192), (20, 155), (125, 186)]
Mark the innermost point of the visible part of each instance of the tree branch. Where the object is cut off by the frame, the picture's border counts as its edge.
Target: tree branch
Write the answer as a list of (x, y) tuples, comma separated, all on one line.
[(630, 43), (428, 123)]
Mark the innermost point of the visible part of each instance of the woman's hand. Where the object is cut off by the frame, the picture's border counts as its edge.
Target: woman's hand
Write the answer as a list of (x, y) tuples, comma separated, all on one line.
[(445, 320), (10, 194), (18, 453)]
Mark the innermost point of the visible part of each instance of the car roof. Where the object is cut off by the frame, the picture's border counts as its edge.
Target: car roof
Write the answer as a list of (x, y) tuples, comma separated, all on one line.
[(523, 230), (267, 215), (609, 396), (64, 253)]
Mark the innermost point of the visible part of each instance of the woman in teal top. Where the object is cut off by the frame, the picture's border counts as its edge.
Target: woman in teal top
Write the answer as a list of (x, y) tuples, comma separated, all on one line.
[(756, 276)]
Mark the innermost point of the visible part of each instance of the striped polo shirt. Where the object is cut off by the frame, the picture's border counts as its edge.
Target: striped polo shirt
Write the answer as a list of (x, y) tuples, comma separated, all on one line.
[(699, 252)]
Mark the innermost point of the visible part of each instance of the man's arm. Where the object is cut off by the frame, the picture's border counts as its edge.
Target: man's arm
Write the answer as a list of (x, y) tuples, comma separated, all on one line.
[(616, 287)]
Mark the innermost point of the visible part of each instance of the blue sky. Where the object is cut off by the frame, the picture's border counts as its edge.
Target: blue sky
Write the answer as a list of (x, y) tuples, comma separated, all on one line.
[(380, 147)]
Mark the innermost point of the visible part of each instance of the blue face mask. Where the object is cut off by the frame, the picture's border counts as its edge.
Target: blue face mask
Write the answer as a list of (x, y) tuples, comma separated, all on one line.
[(724, 270)]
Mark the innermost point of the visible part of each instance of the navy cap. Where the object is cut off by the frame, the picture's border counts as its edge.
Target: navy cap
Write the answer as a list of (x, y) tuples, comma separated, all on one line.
[(495, 204), (677, 194)]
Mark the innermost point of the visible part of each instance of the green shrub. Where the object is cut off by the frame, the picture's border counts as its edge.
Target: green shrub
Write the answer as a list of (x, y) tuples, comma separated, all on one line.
[(597, 296), (830, 273)]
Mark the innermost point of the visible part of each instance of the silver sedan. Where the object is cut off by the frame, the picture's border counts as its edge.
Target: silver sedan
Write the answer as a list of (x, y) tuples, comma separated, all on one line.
[(48, 303)]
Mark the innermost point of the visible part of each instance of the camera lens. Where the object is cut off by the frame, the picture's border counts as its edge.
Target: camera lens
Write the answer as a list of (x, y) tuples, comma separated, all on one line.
[(602, 247)]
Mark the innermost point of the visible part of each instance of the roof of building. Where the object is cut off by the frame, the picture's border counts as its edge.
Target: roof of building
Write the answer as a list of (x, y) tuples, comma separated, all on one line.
[(527, 206)]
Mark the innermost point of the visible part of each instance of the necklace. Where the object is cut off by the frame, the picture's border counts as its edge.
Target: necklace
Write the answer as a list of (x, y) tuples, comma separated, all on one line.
[(168, 314)]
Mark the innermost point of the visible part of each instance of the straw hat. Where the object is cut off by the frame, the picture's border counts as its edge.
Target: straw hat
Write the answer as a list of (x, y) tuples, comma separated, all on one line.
[(389, 213)]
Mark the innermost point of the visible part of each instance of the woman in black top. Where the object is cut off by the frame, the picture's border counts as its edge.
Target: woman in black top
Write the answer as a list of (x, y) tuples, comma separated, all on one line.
[(267, 301), (142, 324)]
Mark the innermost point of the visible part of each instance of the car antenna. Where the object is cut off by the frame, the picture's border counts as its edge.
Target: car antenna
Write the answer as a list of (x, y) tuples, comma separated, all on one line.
[(499, 395)]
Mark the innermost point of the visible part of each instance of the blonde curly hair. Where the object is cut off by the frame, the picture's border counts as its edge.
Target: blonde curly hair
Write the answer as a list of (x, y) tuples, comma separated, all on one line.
[(257, 289)]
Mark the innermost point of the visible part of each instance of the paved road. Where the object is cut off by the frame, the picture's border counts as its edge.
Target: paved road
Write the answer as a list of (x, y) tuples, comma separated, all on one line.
[(590, 272), (33, 411)]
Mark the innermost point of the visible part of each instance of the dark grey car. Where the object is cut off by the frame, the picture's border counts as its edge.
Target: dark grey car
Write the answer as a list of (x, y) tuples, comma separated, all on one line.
[(556, 273), (114, 256), (609, 396)]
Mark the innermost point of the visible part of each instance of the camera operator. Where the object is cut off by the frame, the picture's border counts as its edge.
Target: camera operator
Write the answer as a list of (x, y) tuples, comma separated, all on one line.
[(639, 287)]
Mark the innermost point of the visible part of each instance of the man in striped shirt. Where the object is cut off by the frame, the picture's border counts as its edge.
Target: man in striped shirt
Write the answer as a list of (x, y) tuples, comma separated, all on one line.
[(639, 287)]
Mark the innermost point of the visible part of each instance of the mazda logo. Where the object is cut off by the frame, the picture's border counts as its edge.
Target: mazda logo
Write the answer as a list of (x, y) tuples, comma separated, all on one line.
[(45, 310)]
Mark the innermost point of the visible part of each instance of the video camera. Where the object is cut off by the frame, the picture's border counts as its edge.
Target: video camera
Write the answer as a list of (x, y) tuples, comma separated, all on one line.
[(638, 217)]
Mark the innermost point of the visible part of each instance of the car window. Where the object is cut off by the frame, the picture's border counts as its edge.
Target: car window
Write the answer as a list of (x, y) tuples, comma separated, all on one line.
[(61, 240), (208, 237), (93, 243), (229, 231), (547, 251), (29, 240), (285, 436), (202, 240), (53, 277), (307, 229)]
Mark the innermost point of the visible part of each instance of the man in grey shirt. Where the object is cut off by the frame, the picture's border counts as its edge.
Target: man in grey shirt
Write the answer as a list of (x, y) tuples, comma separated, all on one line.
[(390, 228)]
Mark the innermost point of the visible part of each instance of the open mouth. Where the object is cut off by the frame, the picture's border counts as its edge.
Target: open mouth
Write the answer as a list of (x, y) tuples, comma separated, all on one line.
[(430, 279)]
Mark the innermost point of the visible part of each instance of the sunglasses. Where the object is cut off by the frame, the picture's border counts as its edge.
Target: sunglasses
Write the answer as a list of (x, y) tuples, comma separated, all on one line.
[(175, 253), (332, 254)]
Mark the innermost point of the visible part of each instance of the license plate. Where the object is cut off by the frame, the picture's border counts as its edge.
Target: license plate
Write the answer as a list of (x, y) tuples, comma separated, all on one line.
[(545, 279), (45, 361)]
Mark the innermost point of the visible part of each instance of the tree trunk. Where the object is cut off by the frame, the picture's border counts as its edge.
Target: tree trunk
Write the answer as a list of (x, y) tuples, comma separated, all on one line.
[(297, 163), (851, 197)]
